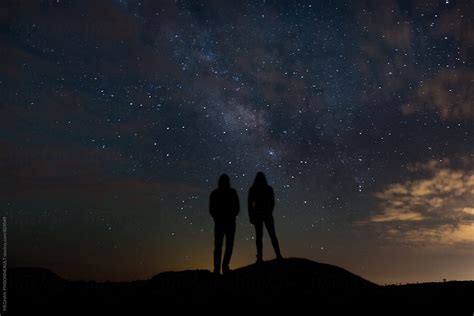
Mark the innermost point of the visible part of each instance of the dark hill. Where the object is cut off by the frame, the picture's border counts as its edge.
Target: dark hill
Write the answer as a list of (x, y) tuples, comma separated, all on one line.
[(290, 281), (287, 280)]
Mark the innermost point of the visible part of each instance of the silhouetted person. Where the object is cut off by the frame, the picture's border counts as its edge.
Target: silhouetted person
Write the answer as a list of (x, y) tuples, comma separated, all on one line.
[(224, 207), (261, 202)]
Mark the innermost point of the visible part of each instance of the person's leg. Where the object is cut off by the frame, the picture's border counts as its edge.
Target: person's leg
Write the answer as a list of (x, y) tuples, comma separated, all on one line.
[(229, 245), (270, 224), (218, 239), (259, 236)]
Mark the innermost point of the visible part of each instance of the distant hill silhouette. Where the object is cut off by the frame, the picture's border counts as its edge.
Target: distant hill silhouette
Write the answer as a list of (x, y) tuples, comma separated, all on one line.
[(289, 281)]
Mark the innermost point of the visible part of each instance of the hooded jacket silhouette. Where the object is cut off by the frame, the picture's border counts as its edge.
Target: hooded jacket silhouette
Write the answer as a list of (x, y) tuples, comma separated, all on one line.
[(224, 207), (261, 202)]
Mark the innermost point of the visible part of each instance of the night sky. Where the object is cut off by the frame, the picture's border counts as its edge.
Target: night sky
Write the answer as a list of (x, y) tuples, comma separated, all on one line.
[(117, 118)]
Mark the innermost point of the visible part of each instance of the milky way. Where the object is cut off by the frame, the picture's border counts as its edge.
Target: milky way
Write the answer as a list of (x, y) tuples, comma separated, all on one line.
[(118, 117)]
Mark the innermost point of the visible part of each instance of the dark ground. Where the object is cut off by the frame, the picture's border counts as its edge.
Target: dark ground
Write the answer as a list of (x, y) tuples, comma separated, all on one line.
[(288, 282)]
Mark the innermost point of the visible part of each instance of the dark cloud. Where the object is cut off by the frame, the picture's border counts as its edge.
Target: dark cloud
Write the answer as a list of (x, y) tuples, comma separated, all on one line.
[(449, 94), (41, 172)]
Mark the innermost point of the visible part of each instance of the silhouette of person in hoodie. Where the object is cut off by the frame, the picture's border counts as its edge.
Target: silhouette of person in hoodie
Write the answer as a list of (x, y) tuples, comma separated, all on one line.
[(261, 201), (224, 207)]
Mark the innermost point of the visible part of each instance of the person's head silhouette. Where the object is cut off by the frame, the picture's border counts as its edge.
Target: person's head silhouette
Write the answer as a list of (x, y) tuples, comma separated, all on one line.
[(260, 179), (224, 181)]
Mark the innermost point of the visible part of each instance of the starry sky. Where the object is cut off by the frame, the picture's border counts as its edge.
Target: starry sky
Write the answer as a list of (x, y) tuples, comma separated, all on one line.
[(117, 118)]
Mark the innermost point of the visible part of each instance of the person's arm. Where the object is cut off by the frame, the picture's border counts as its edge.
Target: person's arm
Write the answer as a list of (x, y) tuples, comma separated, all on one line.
[(250, 206), (271, 200), (212, 205), (236, 203)]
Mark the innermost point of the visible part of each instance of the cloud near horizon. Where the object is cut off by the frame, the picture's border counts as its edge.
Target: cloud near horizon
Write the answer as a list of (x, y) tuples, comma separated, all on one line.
[(434, 207)]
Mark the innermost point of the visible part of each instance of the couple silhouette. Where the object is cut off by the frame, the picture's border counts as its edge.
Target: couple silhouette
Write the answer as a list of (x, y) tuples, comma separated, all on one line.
[(224, 207)]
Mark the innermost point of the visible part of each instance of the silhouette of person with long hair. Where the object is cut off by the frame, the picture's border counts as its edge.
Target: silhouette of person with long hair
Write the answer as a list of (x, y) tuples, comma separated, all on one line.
[(224, 207), (261, 201)]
